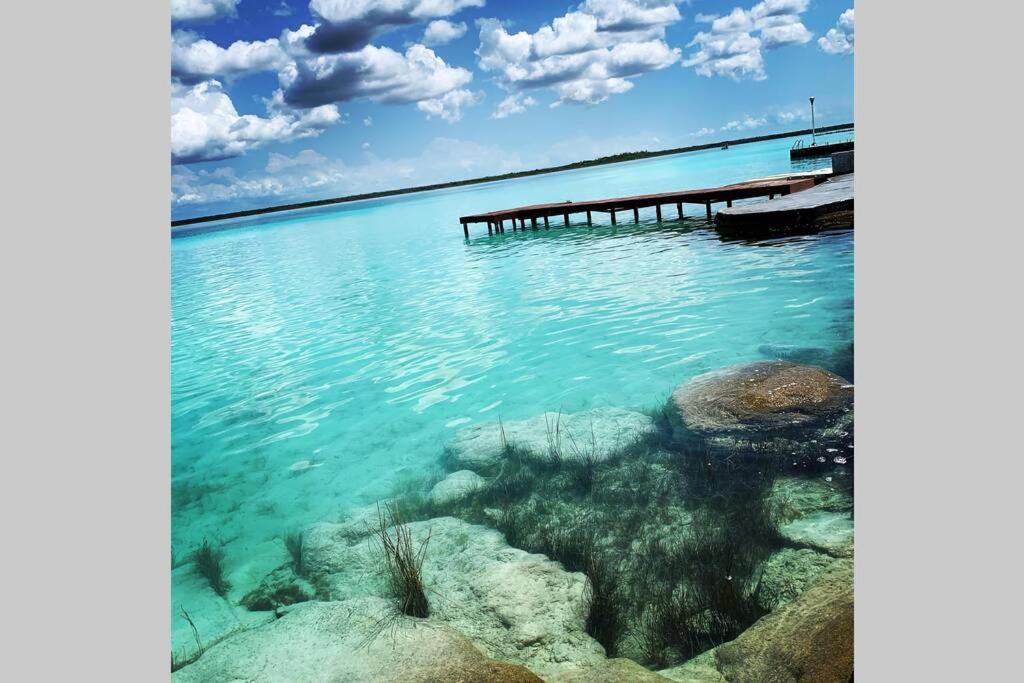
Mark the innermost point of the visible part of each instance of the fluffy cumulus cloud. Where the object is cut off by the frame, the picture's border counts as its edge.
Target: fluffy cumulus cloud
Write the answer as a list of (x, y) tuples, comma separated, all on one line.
[(513, 104), (702, 132), (585, 55), (449, 106), (733, 44), (441, 32), (376, 73), (746, 123), (195, 59), (839, 40), (202, 10), (205, 126), (347, 25)]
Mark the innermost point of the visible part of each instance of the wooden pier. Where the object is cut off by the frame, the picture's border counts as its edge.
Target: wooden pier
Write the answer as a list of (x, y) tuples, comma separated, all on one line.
[(827, 206), (769, 187)]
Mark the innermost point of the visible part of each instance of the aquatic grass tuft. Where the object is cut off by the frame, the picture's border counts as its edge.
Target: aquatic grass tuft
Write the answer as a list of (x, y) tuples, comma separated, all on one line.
[(404, 562), (606, 604), (179, 660), (293, 542), (209, 561)]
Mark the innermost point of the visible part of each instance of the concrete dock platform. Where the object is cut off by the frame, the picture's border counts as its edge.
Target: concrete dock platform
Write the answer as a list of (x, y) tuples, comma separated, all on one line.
[(823, 207)]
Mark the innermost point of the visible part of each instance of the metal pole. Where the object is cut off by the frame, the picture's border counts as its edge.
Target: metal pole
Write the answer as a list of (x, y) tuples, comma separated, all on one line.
[(814, 134)]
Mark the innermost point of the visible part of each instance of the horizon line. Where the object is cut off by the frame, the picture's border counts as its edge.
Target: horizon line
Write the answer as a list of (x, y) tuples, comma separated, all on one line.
[(599, 161)]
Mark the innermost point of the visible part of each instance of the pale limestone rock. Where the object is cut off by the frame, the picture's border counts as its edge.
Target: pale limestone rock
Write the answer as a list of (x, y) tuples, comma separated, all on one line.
[(513, 605), (601, 431), (355, 640), (455, 486)]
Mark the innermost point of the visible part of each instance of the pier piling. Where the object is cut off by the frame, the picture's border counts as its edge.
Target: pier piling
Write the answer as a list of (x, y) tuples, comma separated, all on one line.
[(728, 194)]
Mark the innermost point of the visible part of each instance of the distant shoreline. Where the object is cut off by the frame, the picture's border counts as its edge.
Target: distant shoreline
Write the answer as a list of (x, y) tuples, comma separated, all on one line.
[(613, 159)]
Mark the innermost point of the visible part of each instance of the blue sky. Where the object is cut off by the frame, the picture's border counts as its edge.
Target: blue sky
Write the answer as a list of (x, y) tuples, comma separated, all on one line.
[(275, 101)]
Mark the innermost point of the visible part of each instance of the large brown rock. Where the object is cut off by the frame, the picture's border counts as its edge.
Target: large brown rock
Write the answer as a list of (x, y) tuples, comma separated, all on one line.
[(758, 397), (809, 640)]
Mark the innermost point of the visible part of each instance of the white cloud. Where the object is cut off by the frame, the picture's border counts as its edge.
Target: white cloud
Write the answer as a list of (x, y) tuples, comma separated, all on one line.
[(632, 15), (368, 121), (376, 73), (733, 45), (194, 59), (585, 55), (347, 25), (839, 40), (365, 145), (202, 10), (282, 10), (746, 123), (702, 132), (441, 32), (513, 104), (205, 125), (449, 106), (792, 115)]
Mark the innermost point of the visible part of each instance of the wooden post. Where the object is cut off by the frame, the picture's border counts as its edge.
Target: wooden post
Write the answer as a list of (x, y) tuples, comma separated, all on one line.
[(567, 220), (533, 222), (728, 202), (489, 232), (613, 216), (771, 196), (545, 221), (709, 211), (657, 210), (589, 221), (501, 226), (679, 209), (636, 215)]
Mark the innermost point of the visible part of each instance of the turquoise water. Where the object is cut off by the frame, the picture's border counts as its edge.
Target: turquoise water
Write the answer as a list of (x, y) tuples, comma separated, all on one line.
[(361, 338)]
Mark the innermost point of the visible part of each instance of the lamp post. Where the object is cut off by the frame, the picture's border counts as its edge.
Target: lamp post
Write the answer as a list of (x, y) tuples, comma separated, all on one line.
[(813, 133)]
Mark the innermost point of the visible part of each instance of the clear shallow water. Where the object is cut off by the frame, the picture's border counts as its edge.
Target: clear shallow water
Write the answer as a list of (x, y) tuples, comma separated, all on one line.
[(361, 338)]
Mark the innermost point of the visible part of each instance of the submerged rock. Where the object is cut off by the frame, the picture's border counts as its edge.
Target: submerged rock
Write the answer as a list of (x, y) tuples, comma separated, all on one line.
[(279, 589), (609, 671), (809, 640), (599, 431), (759, 397), (455, 486), (214, 617), (769, 408), (831, 532), (800, 496), (701, 669), (354, 640), (513, 605), (787, 573)]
